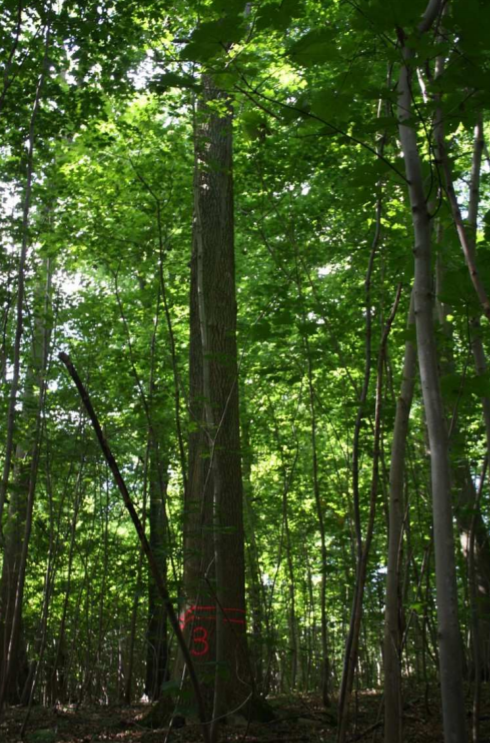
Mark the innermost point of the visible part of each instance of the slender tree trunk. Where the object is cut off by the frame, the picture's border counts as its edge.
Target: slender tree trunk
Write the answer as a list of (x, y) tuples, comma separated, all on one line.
[(475, 623), (287, 477), (350, 655), (139, 584), (393, 619), (157, 652), (447, 599), (323, 539), (60, 640), (352, 644), (260, 625), (19, 330), (293, 634), (19, 524), (311, 628), (99, 664), (466, 240), (470, 522), (51, 572), (4, 327)]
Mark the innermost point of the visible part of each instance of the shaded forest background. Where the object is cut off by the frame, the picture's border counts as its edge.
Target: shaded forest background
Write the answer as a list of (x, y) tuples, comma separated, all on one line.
[(333, 157)]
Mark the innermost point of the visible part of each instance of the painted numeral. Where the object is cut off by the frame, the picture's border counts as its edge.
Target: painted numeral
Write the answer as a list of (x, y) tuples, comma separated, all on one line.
[(199, 641)]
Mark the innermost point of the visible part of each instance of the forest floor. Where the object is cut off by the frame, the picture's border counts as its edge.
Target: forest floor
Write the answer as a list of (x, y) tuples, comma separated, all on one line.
[(300, 719)]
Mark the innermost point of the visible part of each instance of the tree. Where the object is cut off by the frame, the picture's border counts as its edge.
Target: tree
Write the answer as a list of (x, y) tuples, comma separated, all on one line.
[(450, 648), (214, 612)]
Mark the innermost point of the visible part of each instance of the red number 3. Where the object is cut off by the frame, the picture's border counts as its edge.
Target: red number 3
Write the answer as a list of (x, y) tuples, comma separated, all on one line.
[(199, 638)]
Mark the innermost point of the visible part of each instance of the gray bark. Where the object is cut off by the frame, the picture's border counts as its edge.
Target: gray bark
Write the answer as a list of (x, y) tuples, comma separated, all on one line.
[(447, 598)]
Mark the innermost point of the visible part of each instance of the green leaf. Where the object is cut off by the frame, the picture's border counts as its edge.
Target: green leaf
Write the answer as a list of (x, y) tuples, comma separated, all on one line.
[(473, 21), (235, 7), (255, 125), (479, 385), (261, 331), (455, 386), (279, 16), (409, 334), (212, 38), (226, 80), (315, 47), (452, 386), (328, 105), (170, 687), (310, 327), (457, 289), (162, 83)]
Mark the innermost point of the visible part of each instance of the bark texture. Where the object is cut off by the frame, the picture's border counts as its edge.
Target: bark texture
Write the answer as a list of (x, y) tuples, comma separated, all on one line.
[(214, 615)]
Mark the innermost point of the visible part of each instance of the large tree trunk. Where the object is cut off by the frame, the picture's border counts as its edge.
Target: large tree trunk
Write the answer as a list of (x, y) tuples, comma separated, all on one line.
[(214, 573)]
